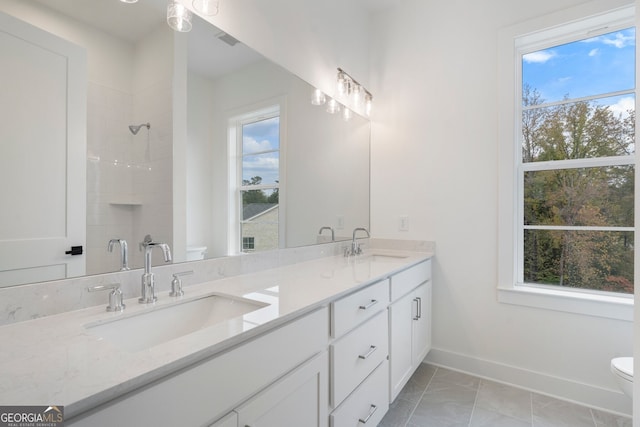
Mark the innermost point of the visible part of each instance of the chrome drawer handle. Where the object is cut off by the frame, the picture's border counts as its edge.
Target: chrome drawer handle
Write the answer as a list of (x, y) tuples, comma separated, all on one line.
[(419, 307), (417, 301), (372, 411), (369, 353), (368, 306)]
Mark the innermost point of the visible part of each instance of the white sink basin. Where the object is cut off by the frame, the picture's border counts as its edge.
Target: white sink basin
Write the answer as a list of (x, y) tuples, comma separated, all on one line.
[(386, 257), (163, 324)]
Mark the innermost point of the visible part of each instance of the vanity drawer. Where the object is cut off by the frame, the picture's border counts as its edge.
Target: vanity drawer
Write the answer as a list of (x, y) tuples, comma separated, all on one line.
[(407, 280), (368, 404), (357, 354), (354, 309)]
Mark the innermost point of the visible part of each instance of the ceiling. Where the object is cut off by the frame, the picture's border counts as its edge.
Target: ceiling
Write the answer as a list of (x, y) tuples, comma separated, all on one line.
[(131, 22)]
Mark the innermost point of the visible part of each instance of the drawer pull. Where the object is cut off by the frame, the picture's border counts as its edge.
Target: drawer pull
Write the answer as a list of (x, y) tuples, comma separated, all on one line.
[(416, 300), (368, 306), (419, 307), (372, 411), (369, 353)]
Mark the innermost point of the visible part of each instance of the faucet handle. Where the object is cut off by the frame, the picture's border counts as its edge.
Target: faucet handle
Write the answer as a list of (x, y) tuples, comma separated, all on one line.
[(176, 283), (115, 296)]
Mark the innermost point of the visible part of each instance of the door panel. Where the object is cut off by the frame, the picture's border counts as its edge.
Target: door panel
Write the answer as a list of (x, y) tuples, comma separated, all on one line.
[(43, 148)]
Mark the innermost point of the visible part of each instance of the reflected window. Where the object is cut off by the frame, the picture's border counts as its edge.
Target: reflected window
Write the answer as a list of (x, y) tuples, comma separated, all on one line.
[(258, 181)]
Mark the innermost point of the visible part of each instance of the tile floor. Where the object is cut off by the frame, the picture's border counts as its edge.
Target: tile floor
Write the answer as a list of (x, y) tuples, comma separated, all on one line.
[(437, 397)]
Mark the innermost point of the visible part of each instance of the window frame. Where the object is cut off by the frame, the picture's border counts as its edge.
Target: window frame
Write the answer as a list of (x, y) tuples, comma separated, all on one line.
[(253, 113), (588, 20)]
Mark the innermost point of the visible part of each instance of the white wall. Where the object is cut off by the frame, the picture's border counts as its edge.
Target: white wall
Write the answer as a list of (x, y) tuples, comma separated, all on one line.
[(434, 158), (309, 38)]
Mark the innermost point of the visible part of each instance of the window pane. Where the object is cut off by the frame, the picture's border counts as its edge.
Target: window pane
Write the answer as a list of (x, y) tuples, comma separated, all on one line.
[(580, 197), (261, 169), (261, 136), (259, 226), (598, 260), (593, 66), (599, 128)]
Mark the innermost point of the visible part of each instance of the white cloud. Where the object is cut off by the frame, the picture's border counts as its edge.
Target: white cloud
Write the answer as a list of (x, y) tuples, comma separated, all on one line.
[(253, 146), (539, 57), (621, 107), (594, 52), (619, 40)]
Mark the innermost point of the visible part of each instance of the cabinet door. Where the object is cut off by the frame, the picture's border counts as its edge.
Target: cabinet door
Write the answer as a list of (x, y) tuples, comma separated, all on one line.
[(298, 399), (401, 314), (422, 324)]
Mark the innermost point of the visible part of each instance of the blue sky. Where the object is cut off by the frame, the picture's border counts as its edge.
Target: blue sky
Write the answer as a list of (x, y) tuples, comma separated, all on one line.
[(258, 137), (588, 67)]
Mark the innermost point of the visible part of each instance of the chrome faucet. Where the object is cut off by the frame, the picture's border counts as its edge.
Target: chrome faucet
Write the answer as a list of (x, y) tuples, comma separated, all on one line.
[(333, 234), (355, 247), (148, 291), (124, 252)]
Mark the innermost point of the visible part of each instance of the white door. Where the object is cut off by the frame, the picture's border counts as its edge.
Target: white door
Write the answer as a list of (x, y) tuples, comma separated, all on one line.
[(43, 85)]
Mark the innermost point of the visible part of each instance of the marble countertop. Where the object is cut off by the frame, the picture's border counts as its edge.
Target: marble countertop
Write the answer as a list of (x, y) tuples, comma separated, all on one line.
[(58, 360)]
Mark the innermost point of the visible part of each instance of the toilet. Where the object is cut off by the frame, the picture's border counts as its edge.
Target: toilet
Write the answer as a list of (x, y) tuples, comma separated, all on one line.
[(622, 369), (195, 253)]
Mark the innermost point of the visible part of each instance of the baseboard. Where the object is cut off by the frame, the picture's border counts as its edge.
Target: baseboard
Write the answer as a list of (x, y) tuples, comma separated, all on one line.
[(604, 399)]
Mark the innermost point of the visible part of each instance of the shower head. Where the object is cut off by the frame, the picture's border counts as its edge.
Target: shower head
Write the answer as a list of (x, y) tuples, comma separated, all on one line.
[(136, 128)]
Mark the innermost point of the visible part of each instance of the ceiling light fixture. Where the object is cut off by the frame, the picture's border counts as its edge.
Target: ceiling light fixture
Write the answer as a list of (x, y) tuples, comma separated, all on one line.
[(129, 1), (178, 16), (207, 7)]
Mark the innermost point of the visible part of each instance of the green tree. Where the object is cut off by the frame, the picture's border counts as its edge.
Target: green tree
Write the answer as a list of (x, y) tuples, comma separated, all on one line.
[(597, 196)]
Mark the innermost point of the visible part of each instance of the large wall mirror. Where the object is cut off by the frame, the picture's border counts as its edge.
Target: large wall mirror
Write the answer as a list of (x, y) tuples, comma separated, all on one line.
[(113, 127)]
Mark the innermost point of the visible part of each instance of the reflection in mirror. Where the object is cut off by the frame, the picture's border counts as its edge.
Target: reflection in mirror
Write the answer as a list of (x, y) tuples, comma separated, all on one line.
[(192, 138)]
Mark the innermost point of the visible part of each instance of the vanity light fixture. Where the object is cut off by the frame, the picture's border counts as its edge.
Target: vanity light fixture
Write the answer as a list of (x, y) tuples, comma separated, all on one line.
[(368, 103), (178, 16), (318, 97), (346, 114), (333, 106), (207, 7), (348, 86)]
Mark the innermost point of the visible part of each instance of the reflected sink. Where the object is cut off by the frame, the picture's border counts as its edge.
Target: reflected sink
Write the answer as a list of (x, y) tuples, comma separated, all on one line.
[(150, 328)]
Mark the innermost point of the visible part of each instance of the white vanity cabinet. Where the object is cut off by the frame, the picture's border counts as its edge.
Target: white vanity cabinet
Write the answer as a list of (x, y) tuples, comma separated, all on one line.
[(200, 394), (359, 322), (409, 324)]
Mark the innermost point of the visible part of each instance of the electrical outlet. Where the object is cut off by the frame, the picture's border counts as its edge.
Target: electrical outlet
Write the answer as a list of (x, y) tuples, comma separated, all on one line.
[(403, 223), (340, 222)]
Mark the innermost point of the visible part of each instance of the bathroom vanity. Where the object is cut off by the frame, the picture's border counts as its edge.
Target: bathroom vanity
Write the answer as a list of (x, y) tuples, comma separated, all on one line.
[(323, 342)]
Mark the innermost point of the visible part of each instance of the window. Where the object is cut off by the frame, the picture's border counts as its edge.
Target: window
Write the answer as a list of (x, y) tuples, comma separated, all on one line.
[(256, 175), (567, 178), (248, 243), (576, 172)]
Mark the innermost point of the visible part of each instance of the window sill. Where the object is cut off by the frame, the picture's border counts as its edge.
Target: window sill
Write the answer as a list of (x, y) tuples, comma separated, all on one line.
[(608, 306)]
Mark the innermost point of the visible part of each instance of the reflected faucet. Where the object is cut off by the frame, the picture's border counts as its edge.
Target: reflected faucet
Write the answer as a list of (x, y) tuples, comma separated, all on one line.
[(124, 252), (355, 247), (148, 290), (333, 234)]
